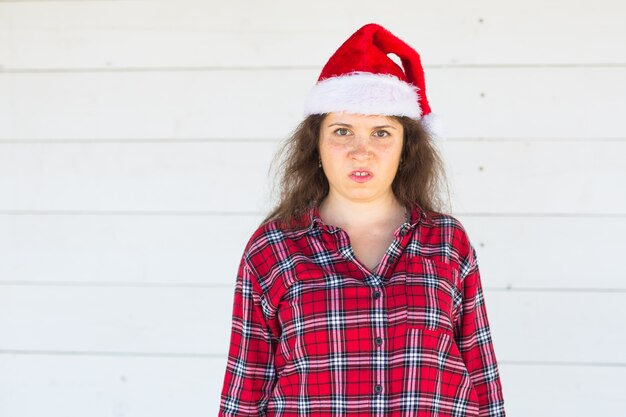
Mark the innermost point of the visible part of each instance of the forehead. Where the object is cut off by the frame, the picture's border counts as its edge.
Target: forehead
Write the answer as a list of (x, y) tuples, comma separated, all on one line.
[(360, 119)]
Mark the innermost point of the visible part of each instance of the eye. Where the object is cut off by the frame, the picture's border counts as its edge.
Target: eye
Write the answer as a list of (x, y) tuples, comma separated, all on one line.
[(341, 129), (382, 131)]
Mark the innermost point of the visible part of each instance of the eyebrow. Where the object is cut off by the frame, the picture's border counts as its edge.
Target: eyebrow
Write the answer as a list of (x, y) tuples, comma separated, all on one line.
[(348, 125)]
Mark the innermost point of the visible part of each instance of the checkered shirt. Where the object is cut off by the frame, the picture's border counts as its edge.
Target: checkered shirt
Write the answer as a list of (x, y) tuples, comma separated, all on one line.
[(316, 333)]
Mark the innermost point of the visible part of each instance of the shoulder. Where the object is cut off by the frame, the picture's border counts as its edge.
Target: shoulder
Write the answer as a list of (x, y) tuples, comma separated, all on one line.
[(451, 236), (270, 244), (445, 223), (271, 233)]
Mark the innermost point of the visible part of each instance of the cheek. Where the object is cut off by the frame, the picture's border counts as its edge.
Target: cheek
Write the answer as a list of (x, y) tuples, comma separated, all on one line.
[(389, 152), (335, 144), (332, 150)]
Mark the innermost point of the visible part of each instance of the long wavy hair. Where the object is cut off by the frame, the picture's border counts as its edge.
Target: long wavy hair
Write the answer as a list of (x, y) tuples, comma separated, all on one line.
[(302, 182)]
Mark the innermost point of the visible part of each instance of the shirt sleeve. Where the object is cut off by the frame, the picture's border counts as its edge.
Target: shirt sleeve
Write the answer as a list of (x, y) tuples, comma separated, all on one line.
[(250, 372), (473, 338)]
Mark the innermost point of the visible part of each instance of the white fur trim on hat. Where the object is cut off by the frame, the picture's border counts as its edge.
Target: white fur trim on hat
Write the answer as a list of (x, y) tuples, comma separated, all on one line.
[(364, 93)]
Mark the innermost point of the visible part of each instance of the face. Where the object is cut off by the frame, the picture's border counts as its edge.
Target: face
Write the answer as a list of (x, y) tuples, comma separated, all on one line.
[(351, 144)]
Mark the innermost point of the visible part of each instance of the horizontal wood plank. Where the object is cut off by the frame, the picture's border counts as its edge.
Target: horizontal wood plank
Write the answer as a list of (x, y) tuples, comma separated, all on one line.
[(136, 34), (123, 320), (105, 386), (124, 249), (516, 252), (497, 103), (102, 386), (548, 252), (526, 325), (529, 177)]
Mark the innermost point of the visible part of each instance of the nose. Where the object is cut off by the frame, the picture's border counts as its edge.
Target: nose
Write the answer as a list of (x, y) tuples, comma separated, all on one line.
[(360, 148)]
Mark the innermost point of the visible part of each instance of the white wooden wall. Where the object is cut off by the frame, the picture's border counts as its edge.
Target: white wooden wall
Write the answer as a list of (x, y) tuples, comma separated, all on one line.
[(135, 138)]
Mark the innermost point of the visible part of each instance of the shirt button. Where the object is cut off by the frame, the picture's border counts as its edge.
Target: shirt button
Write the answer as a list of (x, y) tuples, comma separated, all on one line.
[(403, 231), (377, 294), (378, 388), (391, 259), (379, 341)]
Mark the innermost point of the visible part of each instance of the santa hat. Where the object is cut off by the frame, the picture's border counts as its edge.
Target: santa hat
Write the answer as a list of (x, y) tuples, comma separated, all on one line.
[(361, 78)]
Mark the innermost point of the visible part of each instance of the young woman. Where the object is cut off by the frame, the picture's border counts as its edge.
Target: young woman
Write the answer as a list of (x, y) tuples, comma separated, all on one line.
[(356, 295)]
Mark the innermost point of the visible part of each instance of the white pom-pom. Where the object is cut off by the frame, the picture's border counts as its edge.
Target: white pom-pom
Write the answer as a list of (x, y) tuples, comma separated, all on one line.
[(434, 126)]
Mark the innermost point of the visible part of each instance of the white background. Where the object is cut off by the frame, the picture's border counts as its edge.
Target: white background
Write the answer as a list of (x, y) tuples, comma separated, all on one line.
[(135, 142)]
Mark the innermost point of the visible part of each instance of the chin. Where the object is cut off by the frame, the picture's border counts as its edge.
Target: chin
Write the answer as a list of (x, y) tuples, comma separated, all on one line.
[(364, 196)]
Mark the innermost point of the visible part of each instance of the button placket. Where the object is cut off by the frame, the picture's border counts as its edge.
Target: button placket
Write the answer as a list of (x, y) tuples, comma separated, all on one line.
[(379, 353)]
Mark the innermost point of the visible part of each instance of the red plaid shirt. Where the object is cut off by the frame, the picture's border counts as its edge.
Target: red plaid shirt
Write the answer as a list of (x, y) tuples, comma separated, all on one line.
[(315, 333)]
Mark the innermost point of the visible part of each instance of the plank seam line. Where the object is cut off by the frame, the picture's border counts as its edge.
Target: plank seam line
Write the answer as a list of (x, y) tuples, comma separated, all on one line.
[(259, 213), (223, 356), (103, 284), (62, 70), (56, 141)]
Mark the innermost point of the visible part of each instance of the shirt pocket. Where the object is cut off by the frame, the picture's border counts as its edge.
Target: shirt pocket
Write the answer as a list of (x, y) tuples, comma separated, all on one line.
[(436, 382), (432, 294)]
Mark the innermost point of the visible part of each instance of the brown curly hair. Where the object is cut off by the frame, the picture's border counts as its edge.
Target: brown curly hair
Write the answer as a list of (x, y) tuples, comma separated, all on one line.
[(303, 184)]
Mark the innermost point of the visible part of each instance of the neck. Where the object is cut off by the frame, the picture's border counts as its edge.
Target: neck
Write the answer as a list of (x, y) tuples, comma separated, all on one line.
[(338, 211)]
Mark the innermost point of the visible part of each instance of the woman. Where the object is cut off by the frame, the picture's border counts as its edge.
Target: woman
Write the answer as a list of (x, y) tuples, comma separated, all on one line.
[(355, 295)]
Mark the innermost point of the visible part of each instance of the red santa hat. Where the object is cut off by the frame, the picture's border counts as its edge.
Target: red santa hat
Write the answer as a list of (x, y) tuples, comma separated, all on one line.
[(361, 78)]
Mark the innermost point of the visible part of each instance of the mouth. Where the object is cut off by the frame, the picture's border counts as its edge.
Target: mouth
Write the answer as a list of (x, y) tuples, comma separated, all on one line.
[(361, 175)]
